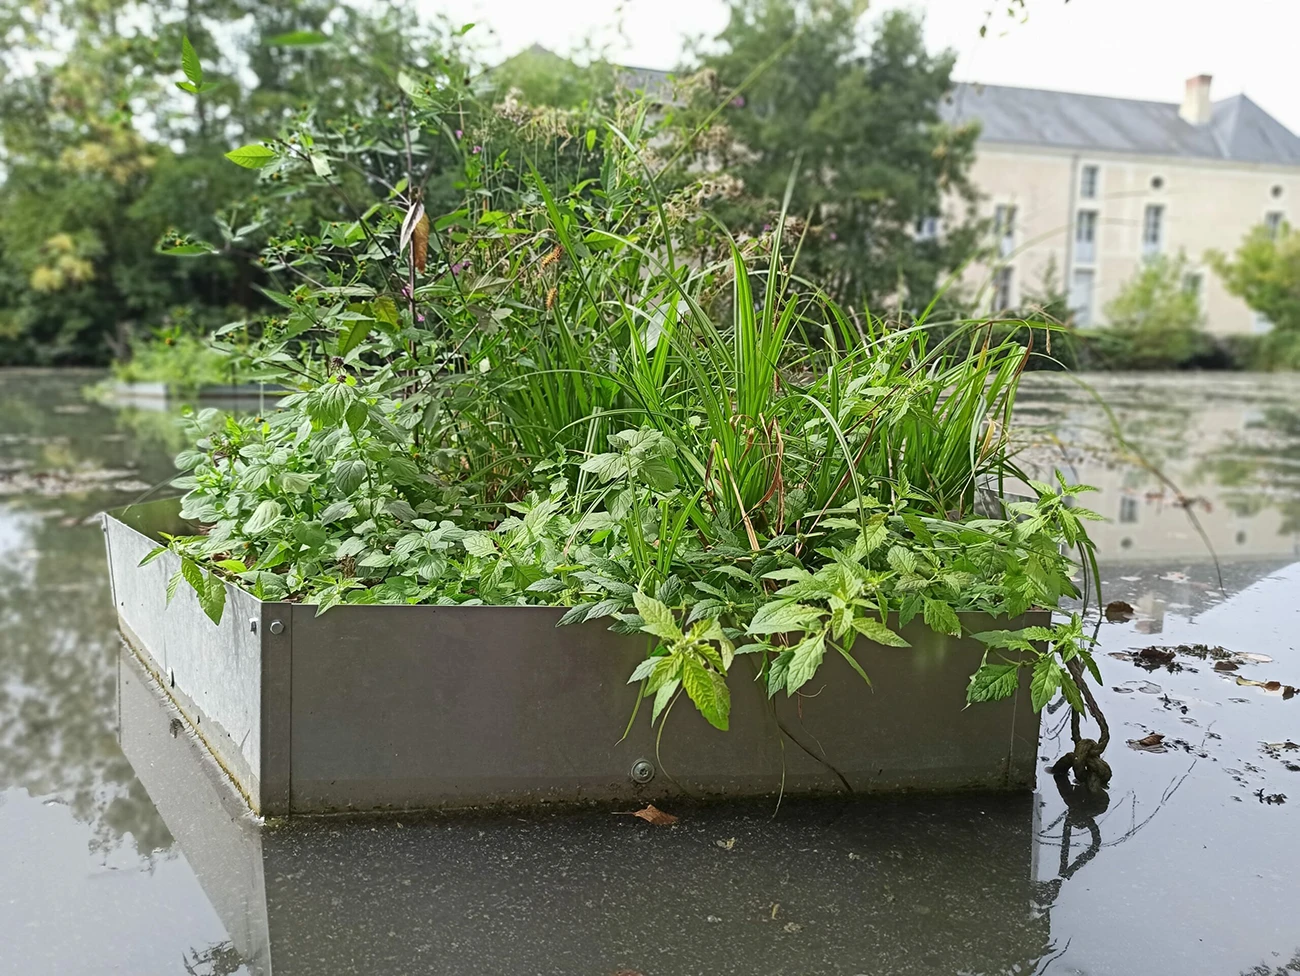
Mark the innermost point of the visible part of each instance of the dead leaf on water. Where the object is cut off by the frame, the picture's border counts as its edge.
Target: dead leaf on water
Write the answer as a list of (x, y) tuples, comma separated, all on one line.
[(1150, 743), (652, 814), (727, 844), (1225, 666), (1117, 611)]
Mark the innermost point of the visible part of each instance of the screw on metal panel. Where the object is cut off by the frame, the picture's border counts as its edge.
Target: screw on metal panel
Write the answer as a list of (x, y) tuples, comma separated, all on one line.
[(252, 624), (277, 627), (643, 771)]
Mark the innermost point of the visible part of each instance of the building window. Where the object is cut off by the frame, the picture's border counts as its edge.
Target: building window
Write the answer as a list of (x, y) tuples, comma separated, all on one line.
[(1153, 222), (1085, 237), (1273, 220), (1276, 191), (1088, 183), (1157, 182), (927, 228), (1002, 289), (1192, 283), (1128, 509), (1004, 228), (1081, 288)]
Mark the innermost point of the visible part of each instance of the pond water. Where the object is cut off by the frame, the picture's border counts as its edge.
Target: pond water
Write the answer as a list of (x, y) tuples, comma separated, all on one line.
[(121, 852)]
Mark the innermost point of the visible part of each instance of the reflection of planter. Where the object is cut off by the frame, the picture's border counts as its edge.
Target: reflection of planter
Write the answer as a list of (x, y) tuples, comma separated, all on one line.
[(935, 885), (374, 707), (149, 394)]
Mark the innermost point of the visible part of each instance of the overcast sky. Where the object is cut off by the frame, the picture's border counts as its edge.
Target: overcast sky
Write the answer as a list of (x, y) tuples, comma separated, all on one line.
[(1130, 48)]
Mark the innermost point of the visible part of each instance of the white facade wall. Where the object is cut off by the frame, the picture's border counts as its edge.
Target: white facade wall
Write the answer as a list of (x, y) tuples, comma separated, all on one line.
[(1208, 205)]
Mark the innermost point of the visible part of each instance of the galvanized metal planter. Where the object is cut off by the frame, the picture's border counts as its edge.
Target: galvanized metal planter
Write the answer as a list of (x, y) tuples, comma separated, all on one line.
[(395, 707), (474, 895)]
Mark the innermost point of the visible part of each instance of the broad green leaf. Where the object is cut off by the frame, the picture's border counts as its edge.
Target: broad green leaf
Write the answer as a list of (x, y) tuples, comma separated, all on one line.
[(479, 544), (780, 617), (659, 620), (348, 475), (190, 63), (263, 517), (873, 630), (321, 166), (1045, 681), (709, 692), (212, 598), (251, 156), (337, 510), (663, 696), (808, 654), (778, 671), (643, 669), (941, 617), (299, 38), (296, 482), (993, 682), (151, 555), (853, 663)]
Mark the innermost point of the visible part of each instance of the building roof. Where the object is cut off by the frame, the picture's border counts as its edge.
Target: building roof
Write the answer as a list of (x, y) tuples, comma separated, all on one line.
[(1239, 130)]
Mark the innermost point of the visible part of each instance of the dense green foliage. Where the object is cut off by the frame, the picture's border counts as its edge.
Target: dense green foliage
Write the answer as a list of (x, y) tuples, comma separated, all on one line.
[(545, 395), (1155, 322), (856, 121), (1265, 273)]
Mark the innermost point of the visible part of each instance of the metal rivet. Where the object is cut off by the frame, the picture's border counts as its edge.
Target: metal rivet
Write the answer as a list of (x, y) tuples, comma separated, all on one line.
[(252, 624), (277, 627), (643, 771)]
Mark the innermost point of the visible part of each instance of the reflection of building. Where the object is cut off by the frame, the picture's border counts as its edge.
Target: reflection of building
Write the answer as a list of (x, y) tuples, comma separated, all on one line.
[(911, 886), (1094, 186), (1147, 520)]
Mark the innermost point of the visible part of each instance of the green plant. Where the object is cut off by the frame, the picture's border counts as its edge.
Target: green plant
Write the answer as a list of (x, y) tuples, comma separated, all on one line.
[(183, 360), (1155, 322), (532, 399)]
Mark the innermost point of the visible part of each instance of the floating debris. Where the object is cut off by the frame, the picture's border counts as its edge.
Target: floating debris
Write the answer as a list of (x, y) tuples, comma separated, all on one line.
[(653, 815), (1117, 611), (1270, 798), (1150, 743), (1288, 691)]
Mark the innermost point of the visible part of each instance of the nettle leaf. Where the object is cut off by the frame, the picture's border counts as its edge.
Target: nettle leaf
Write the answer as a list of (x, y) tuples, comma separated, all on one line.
[(479, 544), (777, 672), (350, 547), (659, 620), (781, 617), (941, 617), (605, 608), (1045, 681), (708, 690), (808, 654), (606, 467), (548, 584), (663, 696), (993, 682), (190, 63), (263, 517), (874, 630), (901, 560), (251, 156), (644, 669)]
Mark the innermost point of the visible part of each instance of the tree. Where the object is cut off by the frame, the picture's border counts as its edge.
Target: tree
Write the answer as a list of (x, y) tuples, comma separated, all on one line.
[(1265, 274), (853, 124), (1156, 320)]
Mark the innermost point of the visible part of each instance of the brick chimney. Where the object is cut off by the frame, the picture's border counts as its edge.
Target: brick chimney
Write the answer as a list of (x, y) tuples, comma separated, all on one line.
[(1197, 108)]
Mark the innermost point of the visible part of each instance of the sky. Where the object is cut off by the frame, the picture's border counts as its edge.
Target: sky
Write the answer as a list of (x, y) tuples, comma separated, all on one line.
[(1127, 48)]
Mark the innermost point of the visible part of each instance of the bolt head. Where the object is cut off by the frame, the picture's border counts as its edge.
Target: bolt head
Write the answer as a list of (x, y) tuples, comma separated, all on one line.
[(643, 771), (277, 627), (252, 625)]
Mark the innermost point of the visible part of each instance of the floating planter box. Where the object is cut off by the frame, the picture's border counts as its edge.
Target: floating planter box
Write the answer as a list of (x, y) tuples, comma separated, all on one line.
[(451, 896), (398, 707), (156, 393)]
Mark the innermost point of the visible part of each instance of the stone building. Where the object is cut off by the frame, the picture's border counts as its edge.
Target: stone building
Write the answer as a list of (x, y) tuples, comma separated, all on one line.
[(1089, 187)]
